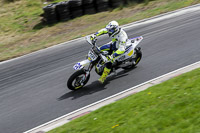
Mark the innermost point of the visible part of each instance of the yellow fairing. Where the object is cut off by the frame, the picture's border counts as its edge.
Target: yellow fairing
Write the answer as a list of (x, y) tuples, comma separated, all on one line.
[(130, 53)]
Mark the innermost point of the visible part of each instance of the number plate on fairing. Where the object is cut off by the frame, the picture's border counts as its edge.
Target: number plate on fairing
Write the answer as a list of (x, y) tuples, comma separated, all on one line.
[(92, 56)]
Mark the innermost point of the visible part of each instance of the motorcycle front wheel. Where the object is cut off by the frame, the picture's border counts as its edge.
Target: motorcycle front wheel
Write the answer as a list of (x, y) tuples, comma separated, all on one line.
[(77, 80)]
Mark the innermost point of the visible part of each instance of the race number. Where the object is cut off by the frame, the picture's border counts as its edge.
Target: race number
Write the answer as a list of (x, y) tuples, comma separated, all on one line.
[(92, 56), (77, 66)]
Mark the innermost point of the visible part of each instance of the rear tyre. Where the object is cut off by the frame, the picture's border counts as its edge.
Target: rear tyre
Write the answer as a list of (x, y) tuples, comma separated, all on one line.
[(138, 56), (137, 59), (74, 82)]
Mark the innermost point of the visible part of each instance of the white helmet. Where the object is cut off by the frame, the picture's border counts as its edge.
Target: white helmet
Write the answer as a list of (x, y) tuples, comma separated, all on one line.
[(113, 28)]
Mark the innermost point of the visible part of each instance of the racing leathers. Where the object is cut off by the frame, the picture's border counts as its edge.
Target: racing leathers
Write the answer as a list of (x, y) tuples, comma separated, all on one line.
[(115, 48)]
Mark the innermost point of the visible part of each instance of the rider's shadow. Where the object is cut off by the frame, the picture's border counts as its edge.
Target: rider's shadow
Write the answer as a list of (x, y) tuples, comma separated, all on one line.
[(93, 87), (120, 74), (87, 90)]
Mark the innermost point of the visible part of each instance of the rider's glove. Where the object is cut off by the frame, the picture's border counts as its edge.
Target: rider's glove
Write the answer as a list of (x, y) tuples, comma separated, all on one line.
[(93, 37)]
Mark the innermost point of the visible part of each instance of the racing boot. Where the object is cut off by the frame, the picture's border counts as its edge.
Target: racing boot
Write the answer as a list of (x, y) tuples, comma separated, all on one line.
[(105, 73)]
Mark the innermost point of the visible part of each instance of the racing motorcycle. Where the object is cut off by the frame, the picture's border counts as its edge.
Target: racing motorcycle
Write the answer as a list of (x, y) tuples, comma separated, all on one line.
[(98, 59)]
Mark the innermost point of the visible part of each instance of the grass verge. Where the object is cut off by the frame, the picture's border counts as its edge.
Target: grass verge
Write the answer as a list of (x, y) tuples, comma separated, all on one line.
[(22, 32), (170, 107)]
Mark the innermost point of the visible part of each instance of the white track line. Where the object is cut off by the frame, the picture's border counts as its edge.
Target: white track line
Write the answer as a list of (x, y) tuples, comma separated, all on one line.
[(68, 117), (94, 106), (126, 26)]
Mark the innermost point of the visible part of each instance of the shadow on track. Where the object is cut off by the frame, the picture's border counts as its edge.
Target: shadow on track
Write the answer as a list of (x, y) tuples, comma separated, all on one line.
[(93, 87), (120, 74), (87, 90)]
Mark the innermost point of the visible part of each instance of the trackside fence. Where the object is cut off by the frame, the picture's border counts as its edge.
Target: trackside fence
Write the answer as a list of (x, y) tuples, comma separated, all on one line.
[(66, 10)]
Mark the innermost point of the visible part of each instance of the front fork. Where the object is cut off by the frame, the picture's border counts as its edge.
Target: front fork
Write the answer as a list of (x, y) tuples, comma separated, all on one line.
[(87, 71)]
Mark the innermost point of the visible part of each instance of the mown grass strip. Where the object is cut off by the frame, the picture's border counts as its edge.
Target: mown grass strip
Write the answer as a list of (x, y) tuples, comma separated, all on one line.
[(22, 32), (170, 107)]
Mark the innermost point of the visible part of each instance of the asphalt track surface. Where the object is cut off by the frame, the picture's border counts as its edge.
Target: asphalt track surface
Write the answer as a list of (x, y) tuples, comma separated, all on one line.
[(33, 89)]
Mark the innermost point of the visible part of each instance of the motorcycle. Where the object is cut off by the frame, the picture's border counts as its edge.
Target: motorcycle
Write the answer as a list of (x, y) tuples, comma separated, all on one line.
[(98, 59)]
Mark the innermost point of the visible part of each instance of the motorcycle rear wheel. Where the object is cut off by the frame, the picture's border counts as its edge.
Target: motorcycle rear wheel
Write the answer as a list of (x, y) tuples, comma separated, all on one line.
[(136, 59), (73, 82)]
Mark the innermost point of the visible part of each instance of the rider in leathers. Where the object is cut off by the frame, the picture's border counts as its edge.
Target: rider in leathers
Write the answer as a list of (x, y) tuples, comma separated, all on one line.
[(117, 46)]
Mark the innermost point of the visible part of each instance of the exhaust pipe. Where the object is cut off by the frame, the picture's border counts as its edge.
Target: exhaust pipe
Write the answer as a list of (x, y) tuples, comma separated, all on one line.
[(129, 63)]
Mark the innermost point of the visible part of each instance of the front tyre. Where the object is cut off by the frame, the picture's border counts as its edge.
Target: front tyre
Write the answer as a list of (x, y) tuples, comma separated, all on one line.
[(77, 80)]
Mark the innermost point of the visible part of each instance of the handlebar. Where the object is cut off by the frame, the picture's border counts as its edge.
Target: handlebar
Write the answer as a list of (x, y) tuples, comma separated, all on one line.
[(96, 48), (91, 42)]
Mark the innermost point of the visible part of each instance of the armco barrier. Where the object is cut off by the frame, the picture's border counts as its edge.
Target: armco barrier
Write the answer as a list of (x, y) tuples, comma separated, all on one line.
[(70, 9)]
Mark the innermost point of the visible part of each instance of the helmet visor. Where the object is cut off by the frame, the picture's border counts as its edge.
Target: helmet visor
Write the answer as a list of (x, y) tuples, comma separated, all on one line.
[(111, 30)]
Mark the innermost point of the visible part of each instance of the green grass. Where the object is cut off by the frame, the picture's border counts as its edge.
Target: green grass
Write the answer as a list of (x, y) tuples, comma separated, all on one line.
[(22, 32), (170, 107)]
